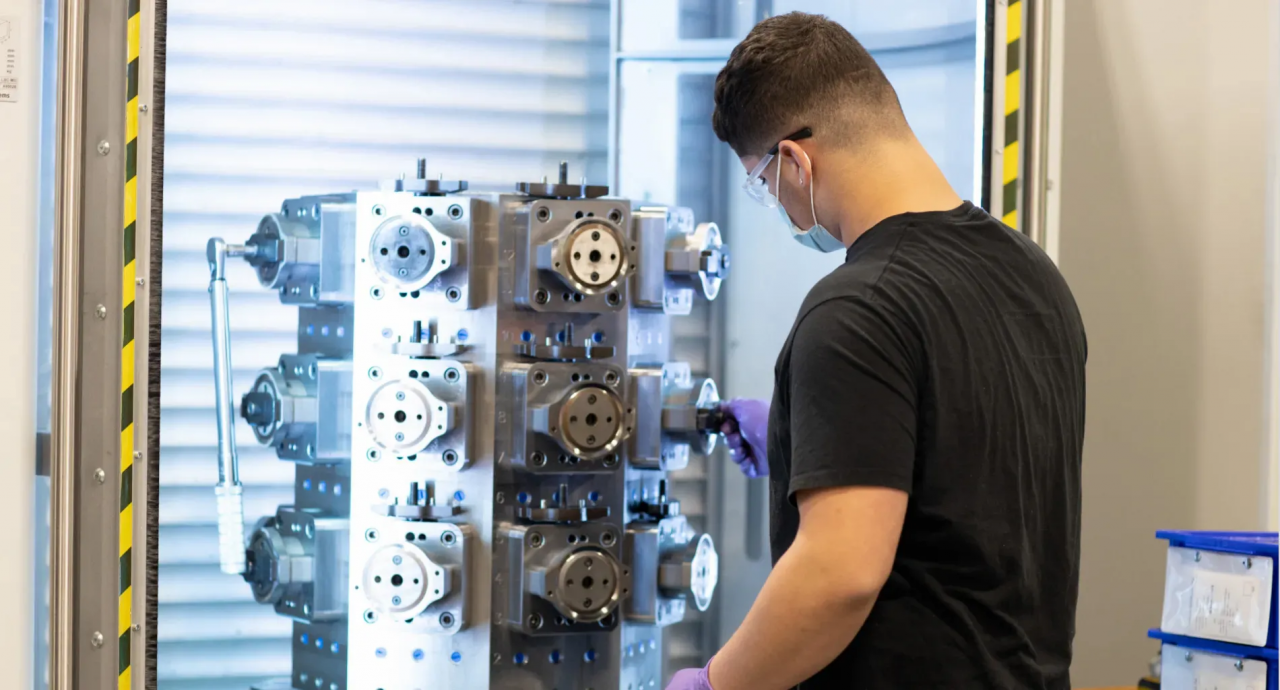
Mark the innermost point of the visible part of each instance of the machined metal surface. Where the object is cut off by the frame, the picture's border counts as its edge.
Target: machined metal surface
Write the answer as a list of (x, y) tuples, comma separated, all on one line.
[(499, 380)]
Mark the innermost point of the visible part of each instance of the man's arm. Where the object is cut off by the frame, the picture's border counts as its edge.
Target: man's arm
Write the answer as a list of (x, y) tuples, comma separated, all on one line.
[(819, 593)]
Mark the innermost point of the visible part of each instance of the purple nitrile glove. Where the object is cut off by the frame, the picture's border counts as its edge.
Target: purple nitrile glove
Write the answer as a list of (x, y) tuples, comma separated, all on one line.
[(745, 432), (691, 679)]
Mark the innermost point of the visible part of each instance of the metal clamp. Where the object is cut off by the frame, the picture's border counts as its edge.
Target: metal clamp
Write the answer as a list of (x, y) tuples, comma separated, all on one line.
[(564, 350), (662, 507), (421, 186), (432, 348), (562, 189), (420, 506), (562, 512)]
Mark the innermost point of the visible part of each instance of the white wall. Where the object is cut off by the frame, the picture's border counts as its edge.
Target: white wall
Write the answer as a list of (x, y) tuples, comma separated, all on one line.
[(21, 29), (1164, 191)]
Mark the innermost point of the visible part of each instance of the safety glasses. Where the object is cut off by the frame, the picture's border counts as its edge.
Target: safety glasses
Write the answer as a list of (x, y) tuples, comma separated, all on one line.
[(755, 185)]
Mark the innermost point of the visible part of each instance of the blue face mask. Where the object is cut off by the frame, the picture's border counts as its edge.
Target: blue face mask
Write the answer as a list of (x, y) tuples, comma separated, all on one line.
[(816, 237)]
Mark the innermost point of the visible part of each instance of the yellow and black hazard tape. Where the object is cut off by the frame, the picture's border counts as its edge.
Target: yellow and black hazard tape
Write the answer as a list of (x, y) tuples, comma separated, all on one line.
[(1012, 111), (127, 351)]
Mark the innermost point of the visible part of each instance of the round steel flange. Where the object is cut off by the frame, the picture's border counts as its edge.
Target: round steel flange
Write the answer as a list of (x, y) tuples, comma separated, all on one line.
[(589, 585), (405, 417), (591, 421), (407, 252)]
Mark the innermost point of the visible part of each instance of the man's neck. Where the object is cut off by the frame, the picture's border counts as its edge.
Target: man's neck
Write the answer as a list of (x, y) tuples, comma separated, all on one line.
[(898, 177)]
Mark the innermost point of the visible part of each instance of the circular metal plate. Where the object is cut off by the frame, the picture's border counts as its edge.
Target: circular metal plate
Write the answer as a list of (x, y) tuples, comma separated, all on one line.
[(404, 416), (595, 254), (591, 420), (403, 252), (400, 581), (705, 572), (588, 585)]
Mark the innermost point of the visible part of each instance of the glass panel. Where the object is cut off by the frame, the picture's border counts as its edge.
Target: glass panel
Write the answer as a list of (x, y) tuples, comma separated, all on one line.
[(44, 336), (667, 153), (658, 25)]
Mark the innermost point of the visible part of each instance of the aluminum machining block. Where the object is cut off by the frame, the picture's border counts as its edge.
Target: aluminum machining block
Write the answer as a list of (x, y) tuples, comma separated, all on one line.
[(483, 391)]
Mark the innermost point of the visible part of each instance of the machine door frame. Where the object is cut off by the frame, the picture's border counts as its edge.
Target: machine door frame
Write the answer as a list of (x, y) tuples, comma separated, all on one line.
[(102, 387)]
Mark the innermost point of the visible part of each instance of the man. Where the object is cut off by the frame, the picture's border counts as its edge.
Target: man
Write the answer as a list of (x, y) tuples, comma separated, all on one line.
[(924, 440)]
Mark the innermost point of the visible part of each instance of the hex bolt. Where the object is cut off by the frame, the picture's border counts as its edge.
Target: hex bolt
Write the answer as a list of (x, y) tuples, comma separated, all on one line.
[(100, 476), (535, 621), (536, 540), (450, 457), (541, 296), (96, 639)]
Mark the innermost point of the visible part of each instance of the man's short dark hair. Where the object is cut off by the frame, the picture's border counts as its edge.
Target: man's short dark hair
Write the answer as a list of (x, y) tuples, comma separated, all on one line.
[(802, 70)]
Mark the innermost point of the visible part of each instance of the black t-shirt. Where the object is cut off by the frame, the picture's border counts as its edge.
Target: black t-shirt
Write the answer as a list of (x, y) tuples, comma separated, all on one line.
[(945, 358)]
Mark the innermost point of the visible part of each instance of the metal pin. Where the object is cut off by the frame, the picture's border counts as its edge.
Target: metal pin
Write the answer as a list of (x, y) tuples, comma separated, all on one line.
[(422, 168), (564, 172)]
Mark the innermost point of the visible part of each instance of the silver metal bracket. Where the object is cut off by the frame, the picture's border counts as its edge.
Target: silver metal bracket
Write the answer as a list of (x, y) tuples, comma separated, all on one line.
[(562, 189), (420, 506)]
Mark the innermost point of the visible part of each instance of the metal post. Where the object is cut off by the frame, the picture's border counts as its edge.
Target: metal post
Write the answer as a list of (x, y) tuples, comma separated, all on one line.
[(1036, 77), (66, 321)]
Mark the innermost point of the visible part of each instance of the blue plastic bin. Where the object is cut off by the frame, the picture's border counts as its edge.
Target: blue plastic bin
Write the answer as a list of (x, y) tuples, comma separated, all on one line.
[(1243, 543), (1265, 654)]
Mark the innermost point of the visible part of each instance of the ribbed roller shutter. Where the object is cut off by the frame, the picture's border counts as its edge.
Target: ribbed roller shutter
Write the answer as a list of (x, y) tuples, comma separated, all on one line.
[(268, 100)]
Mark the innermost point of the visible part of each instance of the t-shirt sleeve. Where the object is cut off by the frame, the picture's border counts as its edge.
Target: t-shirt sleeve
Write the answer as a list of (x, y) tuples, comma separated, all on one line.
[(853, 398)]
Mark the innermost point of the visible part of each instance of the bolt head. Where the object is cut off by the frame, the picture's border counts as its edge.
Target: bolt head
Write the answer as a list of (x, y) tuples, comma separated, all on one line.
[(101, 311), (104, 147), (96, 639), (100, 476)]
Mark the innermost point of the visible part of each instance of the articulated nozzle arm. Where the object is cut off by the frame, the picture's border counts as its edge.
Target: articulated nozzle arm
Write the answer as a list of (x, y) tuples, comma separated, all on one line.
[(228, 490)]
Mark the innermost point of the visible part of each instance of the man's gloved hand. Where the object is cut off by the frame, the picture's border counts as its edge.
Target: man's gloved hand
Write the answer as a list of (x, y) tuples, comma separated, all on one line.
[(745, 432), (691, 679)]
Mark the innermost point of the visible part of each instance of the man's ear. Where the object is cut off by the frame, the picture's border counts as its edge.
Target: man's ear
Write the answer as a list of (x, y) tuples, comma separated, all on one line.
[(791, 154)]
